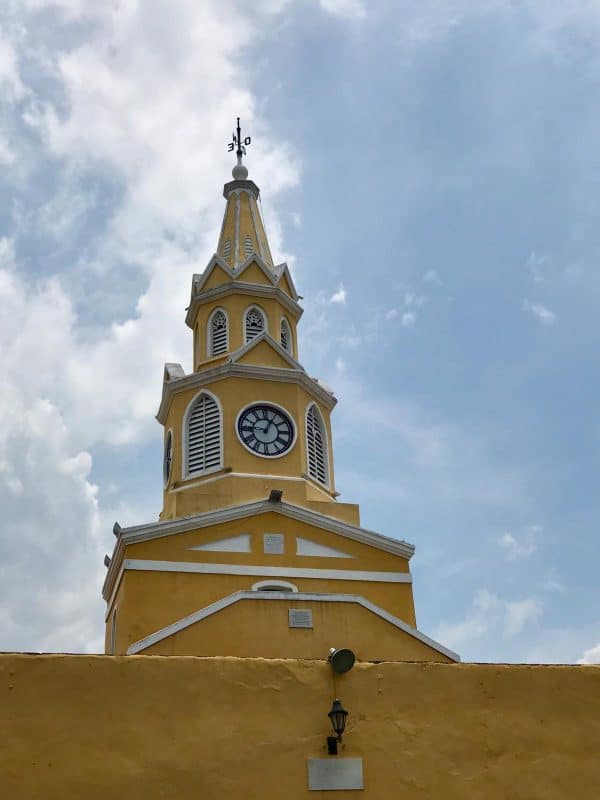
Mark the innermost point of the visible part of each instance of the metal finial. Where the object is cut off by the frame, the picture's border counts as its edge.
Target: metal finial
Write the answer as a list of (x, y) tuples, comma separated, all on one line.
[(239, 172)]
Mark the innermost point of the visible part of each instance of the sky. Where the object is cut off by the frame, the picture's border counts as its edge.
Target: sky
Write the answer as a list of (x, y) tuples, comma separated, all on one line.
[(431, 174)]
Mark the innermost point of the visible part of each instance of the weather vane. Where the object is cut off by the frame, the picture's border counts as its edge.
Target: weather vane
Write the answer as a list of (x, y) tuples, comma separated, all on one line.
[(236, 140)]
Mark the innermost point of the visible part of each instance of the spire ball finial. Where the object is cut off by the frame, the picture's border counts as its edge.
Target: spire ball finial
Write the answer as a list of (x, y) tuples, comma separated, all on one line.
[(239, 172)]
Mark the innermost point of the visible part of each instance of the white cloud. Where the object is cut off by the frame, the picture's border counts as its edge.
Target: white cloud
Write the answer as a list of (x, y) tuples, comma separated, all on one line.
[(353, 9), (133, 109), (522, 546), (392, 313), (535, 263), (540, 312), (339, 296), (408, 318), (432, 277), (490, 615), (591, 656)]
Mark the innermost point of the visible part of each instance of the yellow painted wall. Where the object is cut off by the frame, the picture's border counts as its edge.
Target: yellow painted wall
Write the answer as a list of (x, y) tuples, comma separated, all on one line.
[(148, 727), (259, 629), (235, 306), (149, 600), (234, 394)]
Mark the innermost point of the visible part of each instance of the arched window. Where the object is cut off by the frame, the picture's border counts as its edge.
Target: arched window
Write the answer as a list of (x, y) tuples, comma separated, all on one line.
[(274, 586), (202, 436), (248, 246), (316, 446), (217, 334), (254, 323), (168, 457), (286, 335)]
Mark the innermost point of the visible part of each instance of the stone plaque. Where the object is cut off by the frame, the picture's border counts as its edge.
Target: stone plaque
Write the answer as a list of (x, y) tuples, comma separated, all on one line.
[(300, 618), (273, 543), (329, 774)]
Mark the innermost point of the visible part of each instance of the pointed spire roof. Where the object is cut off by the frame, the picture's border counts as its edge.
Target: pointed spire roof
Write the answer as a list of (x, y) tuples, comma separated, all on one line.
[(243, 230)]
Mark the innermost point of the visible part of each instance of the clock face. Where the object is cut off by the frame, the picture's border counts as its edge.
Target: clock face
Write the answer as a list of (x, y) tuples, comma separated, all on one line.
[(266, 430)]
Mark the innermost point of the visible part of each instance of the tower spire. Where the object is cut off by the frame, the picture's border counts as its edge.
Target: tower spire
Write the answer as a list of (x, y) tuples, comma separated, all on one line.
[(243, 230), (240, 171)]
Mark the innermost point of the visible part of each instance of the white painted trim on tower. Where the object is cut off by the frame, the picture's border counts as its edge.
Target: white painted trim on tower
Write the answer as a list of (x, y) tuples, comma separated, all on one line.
[(236, 597), (265, 336), (148, 565), (241, 287), (236, 255), (184, 437), (157, 530), (208, 342), (263, 476), (227, 370)]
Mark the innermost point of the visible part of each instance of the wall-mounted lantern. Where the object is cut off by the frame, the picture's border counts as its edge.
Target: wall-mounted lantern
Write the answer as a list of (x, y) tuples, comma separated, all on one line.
[(337, 716)]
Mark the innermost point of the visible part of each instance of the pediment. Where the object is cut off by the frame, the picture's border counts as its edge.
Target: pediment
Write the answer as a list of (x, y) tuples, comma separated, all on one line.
[(264, 351), (285, 282), (255, 270), (216, 274)]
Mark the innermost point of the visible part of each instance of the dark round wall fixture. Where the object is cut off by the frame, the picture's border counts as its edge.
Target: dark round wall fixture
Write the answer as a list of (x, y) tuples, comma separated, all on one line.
[(341, 660)]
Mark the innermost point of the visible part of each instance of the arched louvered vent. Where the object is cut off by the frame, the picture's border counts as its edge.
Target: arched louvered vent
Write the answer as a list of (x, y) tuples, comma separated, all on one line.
[(248, 246), (203, 436), (286, 336), (218, 334), (227, 248), (254, 323), (316, 446)]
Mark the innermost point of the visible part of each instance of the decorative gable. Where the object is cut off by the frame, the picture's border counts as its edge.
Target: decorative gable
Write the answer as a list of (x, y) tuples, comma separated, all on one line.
[(264, 351)]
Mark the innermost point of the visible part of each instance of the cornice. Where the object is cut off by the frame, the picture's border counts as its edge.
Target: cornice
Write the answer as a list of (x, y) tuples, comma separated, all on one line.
[(277, 374), (157, 530), (241, 287)]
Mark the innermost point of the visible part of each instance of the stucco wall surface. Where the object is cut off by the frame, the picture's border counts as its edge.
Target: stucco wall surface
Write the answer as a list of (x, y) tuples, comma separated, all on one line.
[(183, 727)]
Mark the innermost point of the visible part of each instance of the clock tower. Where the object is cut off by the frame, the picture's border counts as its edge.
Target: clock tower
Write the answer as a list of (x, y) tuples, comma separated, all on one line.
[(253, 554)]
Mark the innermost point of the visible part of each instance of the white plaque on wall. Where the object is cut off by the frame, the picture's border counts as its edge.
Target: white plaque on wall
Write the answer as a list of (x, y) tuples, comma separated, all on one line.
[(273, 543), (330, 774), (300, 618)]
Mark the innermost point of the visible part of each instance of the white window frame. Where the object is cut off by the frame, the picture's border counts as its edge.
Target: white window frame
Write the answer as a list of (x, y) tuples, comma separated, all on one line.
[(185, 473), (285, 586), (327, 483), (265, 319), (284, 321), (213, 313)]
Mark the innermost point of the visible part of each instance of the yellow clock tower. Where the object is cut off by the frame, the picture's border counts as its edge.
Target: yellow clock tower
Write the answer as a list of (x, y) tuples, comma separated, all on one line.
[(253, 554)]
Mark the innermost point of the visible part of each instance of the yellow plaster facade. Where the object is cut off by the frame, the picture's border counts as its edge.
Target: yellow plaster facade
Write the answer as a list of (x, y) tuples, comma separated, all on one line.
[(251, 527), (149, 727)]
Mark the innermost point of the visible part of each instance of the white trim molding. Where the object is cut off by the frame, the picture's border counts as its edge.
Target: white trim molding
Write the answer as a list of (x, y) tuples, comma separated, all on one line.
[(257, 570), (185, 473), (265, 336), (171, 527), (286, 586), (236, 597), (230, 370), (265, 320), (209, 333)]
